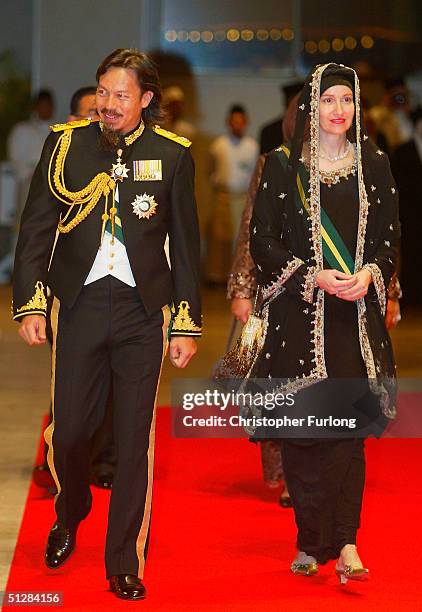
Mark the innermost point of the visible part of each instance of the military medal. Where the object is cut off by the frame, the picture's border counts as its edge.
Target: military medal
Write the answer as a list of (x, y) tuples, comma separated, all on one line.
[(144, 206), (147, 170), (119, 170)]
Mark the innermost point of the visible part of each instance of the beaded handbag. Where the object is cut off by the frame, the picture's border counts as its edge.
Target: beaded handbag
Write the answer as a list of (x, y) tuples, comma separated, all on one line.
[(238, 361)]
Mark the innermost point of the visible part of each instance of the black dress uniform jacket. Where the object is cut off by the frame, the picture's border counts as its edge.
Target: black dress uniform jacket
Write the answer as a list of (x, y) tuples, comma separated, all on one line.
[(73, 254)]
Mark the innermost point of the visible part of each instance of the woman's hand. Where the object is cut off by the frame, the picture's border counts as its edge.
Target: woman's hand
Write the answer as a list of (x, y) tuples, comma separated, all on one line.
[(393, 315), (333, 281), (241, 308), (360, 288)]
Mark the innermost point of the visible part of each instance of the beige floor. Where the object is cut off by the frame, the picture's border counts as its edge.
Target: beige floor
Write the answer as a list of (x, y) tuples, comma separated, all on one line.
[(24, 397)]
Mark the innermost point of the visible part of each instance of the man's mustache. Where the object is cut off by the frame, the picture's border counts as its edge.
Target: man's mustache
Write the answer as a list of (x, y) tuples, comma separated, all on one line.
[(111, 112)]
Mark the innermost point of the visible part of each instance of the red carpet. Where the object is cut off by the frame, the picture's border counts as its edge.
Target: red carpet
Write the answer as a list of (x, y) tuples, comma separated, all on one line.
[(221, 542)]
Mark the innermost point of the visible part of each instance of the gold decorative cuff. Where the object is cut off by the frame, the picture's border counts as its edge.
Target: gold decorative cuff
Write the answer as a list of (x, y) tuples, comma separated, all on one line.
[(36, 305), (183, 325), (31, 312)]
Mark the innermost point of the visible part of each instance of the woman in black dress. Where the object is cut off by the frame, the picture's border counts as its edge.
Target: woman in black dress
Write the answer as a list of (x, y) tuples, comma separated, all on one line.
[(324, 237)]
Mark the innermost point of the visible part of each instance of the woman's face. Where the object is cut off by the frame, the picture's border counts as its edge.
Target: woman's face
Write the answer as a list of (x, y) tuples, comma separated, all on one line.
[(336, 110)]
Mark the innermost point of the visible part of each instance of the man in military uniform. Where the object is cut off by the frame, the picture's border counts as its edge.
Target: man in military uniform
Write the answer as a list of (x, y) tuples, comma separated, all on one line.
[(102, 201)]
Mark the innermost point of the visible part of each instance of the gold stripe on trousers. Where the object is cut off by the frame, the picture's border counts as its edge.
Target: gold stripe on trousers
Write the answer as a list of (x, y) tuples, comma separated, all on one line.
[(48, 434), (143, 532)]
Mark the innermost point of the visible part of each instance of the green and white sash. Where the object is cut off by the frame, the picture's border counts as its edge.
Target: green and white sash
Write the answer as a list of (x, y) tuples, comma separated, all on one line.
[(334, 249)]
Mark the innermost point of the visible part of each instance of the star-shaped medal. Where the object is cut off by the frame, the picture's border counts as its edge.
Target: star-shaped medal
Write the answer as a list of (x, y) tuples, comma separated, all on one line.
[(144, 206), (119, 170)]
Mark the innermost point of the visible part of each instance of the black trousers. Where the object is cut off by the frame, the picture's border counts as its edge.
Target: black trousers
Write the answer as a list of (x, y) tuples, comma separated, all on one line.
[(325, 479), (107, 337), (102, 454)]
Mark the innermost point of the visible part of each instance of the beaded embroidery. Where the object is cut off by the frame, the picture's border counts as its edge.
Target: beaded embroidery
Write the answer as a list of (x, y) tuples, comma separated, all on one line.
[(291, 267), (333, 177), (308, 285), (379, 285)]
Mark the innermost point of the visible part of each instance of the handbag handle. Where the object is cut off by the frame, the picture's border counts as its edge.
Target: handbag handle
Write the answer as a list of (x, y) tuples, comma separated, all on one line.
[(256, 300)]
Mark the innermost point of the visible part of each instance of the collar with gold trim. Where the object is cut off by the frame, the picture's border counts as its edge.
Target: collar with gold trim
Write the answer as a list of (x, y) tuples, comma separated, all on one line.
[(130, 138)]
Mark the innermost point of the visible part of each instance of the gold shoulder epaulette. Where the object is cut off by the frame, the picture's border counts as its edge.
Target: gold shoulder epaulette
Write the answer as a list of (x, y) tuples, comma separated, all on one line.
[(70, 125), (180, 139)]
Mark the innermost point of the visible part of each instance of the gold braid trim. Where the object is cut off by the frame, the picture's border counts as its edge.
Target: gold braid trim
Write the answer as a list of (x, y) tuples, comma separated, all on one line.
[(183, 321), (180, 139), (37, 302), (132, 137), (87, 198), (59, 127)]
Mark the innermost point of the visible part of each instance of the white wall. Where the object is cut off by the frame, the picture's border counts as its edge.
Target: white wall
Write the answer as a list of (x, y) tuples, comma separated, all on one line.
[(74, 36), (16, 31)]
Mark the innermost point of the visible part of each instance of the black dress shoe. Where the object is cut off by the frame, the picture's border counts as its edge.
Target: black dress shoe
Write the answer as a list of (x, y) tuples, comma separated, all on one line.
[(103, 480), (60, 545), (127, 586)]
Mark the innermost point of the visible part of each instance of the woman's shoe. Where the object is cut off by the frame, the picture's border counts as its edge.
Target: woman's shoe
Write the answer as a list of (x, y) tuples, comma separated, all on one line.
[(353, 570), (350, 572), (304, 565)]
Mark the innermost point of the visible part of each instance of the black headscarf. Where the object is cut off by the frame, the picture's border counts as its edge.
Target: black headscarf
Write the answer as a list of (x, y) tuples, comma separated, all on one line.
[(332, 80), (321, 78)]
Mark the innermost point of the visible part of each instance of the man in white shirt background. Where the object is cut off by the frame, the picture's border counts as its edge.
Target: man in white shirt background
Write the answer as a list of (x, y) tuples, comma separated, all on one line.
[(232, 160), (24, 148)]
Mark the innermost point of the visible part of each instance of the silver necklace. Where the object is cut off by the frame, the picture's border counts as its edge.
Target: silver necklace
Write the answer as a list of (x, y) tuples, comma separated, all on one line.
[(339, 157)]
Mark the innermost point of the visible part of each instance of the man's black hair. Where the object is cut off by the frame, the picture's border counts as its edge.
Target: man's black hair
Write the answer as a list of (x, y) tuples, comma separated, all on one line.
[(43, 95), (237, 108), (77, 97)]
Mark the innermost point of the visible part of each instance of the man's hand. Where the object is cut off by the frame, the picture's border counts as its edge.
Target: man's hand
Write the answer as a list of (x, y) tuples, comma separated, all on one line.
[(360, 288), (182, 349), (333, 281), (32, 329), (241, 308)]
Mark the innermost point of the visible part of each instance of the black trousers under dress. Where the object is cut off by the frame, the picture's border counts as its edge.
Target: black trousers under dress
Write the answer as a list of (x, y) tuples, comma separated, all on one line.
[(325, 479)]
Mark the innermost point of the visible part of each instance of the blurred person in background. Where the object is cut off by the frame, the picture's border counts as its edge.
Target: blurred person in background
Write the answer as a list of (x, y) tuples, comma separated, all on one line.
[(27, 138), (270, 136), (174, 111), (377, 137), (24, 147), (241, 290), (232, 160), (392, 117), (407, 170), (83, 105)]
